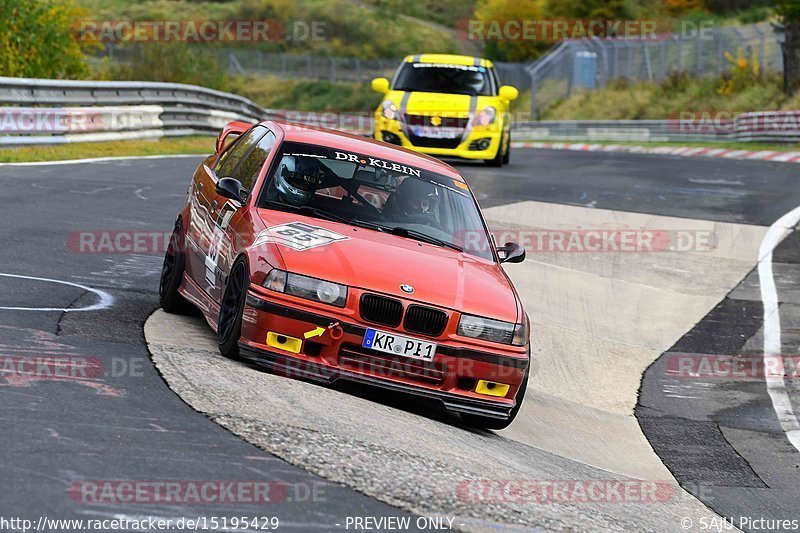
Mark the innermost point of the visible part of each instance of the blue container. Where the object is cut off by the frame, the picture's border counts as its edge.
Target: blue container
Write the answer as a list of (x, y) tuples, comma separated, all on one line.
[(584, 70)]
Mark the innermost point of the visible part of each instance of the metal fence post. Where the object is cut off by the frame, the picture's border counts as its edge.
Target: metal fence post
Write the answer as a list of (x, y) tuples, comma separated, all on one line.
[(699, 53), (762, 52), (629, 59)]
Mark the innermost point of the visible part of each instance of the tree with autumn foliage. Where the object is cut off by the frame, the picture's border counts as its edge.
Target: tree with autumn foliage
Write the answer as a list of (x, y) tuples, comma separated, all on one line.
[(489, 12), (789, 11), (37, 41)]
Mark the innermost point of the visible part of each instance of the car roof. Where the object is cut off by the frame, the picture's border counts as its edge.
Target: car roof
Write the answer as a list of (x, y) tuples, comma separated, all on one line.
[(449, 59), (348, 142)]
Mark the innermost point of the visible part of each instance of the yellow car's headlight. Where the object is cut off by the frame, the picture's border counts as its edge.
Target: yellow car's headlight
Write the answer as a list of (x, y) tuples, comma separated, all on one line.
[(389, 110), (486, 116)]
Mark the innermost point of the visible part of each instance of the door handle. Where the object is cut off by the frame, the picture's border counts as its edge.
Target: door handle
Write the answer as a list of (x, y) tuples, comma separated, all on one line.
[(213, 206)]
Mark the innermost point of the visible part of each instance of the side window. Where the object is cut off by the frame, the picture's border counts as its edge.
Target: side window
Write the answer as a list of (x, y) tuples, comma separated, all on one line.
[(231, 158), (495, 82), (251, 164)]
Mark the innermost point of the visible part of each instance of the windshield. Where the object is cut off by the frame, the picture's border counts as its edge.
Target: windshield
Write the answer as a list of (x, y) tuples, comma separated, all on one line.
[(442, 78), (379, 194)]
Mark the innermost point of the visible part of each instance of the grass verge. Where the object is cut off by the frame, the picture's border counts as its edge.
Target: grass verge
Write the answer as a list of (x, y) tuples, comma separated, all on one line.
[(164, 146), (679, 95)]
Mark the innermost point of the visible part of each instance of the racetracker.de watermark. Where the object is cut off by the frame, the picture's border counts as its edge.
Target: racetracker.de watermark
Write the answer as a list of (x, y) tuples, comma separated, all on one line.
[(193, 492), (553, 491), (728, 121), (55, 367), (599, 240), (23, 120), (559, 29), (732, 367), (200, 31)]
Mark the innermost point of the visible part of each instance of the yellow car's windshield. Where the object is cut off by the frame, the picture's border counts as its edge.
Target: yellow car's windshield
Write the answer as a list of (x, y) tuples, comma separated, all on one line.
[(444, 78)]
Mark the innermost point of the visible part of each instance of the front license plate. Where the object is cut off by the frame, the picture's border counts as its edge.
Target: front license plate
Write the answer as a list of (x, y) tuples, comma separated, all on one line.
[(399, 345), (436, 133)]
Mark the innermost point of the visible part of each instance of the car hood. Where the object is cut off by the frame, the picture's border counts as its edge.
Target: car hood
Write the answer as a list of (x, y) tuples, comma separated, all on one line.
[(427, 103), (380, 262)]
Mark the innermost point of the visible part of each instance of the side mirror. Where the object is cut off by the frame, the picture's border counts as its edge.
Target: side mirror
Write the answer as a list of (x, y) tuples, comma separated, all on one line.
[(380, 85), (511, 253), (507, 92), (230, 188)]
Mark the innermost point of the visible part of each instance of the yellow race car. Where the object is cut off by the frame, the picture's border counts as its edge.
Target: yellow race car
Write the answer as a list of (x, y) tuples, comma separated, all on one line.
[(448, 106)]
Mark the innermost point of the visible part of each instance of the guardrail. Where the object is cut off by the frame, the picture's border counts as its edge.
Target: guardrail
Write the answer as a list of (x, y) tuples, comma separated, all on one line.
[(762, 126), (60, 111)]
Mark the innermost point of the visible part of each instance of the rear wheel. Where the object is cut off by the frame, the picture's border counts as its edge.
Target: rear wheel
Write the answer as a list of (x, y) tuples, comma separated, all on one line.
[(229, 323), (486, 422), (172, 271)]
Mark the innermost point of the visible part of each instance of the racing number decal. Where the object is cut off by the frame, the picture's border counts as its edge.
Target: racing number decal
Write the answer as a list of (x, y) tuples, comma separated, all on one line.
[(217, 242), (212, 258), (300, 236)]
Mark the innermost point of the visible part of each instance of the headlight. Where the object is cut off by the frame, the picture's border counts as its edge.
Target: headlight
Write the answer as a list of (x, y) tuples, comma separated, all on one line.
[(493, 330), (486, 116), (389, 110), (305, 287)]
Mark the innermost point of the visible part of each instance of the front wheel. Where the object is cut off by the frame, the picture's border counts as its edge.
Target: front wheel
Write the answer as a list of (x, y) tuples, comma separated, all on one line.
[(486, 422), (507, 153), (229, 323), (499, 158)]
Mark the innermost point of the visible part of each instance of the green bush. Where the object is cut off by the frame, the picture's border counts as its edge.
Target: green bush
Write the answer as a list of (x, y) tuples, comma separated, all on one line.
[(36, 40), (349, 28), (174, 62), (308, 95), (735, 91)]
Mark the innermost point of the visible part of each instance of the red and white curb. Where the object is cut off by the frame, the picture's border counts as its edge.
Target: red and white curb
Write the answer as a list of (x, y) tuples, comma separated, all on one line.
[(685, 151)]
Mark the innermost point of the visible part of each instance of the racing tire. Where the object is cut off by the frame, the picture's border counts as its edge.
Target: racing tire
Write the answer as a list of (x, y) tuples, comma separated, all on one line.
[(229, 322), (498, 159), (172, 271), (507, 153), (486, 422)]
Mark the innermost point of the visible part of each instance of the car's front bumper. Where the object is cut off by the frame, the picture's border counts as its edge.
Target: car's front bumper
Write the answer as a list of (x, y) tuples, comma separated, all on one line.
[(467, 146), (450, 378)]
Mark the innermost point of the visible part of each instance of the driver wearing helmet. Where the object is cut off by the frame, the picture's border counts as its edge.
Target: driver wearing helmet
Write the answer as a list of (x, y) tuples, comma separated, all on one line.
[(413, 201), (297, 180)]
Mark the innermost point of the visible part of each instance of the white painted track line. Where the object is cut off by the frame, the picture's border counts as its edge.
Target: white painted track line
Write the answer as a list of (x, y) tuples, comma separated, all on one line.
[(105, 300), (776, 386)]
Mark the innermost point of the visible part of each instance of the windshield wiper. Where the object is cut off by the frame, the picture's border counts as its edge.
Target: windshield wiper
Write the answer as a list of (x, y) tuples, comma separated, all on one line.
[(419, 236), (319, 213)]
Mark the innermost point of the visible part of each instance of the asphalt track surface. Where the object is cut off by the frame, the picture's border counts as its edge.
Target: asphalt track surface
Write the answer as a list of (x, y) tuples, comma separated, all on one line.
[(127, 424)]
